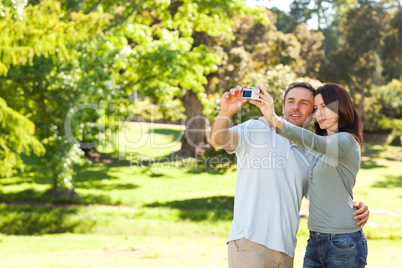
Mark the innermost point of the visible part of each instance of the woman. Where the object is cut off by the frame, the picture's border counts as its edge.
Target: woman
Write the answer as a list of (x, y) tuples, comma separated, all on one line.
[(335, 240)]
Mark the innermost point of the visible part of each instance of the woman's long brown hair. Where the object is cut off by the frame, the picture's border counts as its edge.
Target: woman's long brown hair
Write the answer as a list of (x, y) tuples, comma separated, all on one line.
[(338, 100)]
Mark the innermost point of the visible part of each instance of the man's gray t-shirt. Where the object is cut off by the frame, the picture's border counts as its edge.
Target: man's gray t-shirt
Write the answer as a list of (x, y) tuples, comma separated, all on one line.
[(271, 182)]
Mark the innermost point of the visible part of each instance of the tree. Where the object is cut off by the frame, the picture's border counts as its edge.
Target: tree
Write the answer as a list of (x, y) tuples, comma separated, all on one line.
[(72, 64), (391, 51), (179, 45), (257, 47), (285, 23), (261, 54), (17, 138), (299, 10), (363, 30), (311, 52), (351, 47)]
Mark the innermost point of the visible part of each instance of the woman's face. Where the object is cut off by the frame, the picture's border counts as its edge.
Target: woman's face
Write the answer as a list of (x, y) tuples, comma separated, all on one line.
[(326, 118)]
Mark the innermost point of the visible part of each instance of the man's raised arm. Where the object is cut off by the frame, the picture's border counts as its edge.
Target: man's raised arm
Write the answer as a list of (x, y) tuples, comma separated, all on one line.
[(221, 135)]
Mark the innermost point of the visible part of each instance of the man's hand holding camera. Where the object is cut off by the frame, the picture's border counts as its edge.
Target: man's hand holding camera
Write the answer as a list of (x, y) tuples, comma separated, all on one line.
[(221, 135), (266, 104), (231, 102)]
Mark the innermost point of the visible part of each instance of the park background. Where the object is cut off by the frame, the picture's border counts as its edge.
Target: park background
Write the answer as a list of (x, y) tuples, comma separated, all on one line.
[(105, 107)]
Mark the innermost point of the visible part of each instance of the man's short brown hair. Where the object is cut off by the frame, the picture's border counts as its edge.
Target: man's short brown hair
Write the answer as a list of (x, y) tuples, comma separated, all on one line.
[(305, 85)]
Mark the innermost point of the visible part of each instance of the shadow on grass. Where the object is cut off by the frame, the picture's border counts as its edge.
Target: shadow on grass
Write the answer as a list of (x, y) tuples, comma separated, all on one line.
[(202, 209), (37, 220), (174, 133), (94, 177), (16, 182), (154, 166), (210, 171), (92, 173), (107, 185), (32, 196), (157, 175), (389, 182), (111, 159), (88, 178), (370, 154), (370, 164), (82, 174)]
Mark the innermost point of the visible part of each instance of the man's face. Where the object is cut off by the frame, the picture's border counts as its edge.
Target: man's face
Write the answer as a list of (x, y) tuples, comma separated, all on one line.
[(298, 106)]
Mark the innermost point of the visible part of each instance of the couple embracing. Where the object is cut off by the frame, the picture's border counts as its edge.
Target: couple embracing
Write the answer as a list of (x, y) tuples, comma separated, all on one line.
[(320, 166)]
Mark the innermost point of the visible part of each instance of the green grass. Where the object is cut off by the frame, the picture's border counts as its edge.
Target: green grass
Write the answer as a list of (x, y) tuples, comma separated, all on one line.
[(140, 140), (379, 180), (150, 211)]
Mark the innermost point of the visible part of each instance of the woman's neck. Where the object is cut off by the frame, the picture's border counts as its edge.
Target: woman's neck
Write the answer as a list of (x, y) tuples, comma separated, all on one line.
[(332, 131)]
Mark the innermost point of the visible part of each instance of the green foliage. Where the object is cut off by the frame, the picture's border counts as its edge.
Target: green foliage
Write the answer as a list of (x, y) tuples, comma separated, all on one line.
[(44, 30), (364, 29), (256, 49), (17, 138), (390, 99), (84, 73), (311, 52), (173, 49), (385, 108), (174, 66), (391, 51), (79, 82), (165, 112), (299, 10), (80, 92), (216, 160), (284, 22), (14, 8)]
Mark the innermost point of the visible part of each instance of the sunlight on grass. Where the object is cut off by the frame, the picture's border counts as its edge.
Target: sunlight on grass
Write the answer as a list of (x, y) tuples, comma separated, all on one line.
[(144, 139), (114, 251)]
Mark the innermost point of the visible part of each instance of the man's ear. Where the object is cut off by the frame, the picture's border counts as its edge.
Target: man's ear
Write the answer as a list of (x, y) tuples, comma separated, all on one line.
[(283, 109)]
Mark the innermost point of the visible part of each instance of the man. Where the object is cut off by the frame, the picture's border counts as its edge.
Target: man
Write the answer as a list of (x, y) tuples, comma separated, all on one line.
[(271, 181)]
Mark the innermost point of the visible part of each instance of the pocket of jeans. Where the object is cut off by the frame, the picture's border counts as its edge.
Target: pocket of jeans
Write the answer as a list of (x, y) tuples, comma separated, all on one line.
[(365, 244), (363, 256), (343, 242)]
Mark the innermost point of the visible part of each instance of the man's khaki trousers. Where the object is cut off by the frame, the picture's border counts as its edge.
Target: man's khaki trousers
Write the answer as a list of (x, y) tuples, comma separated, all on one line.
[(243, 253)]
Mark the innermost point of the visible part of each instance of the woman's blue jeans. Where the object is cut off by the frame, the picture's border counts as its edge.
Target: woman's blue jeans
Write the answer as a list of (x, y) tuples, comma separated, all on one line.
[(336, 250)]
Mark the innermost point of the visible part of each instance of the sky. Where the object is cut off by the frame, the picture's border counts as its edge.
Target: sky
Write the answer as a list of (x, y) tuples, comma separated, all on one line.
[(281, 4)]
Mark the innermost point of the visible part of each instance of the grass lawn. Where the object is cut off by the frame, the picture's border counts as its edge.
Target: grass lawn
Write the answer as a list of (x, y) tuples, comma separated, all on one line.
[(146, 211)]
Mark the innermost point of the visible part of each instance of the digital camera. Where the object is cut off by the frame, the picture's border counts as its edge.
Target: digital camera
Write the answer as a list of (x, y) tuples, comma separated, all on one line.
[(249, 93)]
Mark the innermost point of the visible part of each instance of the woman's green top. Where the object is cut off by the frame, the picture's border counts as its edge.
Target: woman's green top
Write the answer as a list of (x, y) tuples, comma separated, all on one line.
[(332, 176)]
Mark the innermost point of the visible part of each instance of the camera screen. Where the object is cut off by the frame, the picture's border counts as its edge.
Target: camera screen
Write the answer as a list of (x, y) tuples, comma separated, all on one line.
[(247, 93)]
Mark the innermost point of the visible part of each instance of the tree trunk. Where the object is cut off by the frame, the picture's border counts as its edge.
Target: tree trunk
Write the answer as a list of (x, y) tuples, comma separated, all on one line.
[(208, 85), (59, 192), (194, 140)]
